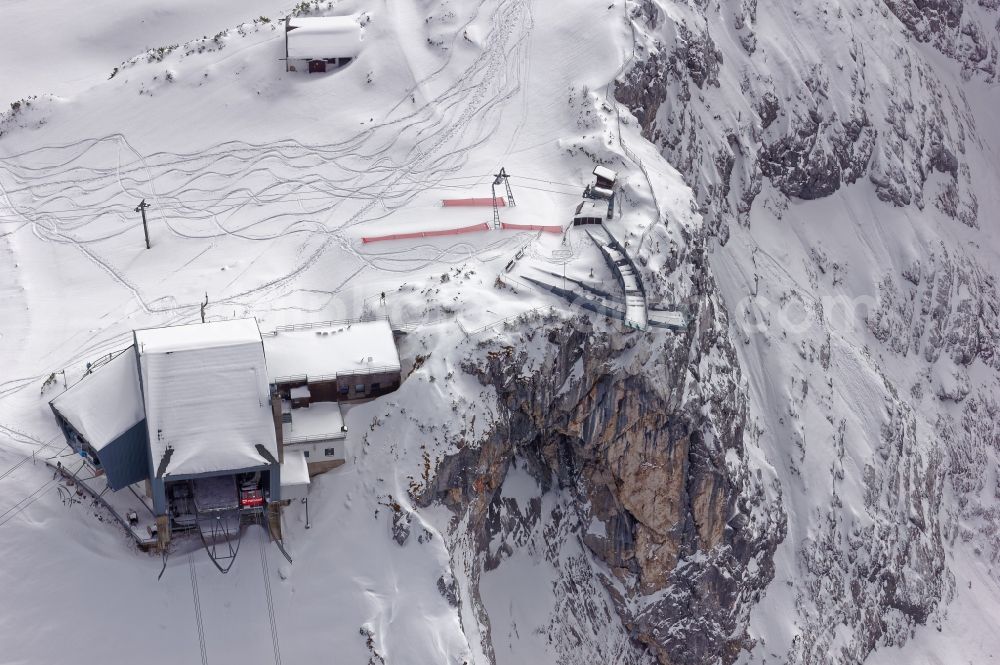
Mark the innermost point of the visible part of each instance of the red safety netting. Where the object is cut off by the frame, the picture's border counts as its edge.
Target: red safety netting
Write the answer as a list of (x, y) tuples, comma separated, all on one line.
[(530, 227), (449, 203), (429, 234)]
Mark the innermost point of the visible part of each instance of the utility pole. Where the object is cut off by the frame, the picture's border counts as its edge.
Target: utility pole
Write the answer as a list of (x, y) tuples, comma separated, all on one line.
[(145, 229)]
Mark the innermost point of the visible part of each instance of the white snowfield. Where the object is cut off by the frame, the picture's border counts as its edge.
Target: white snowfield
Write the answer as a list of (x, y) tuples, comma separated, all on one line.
[(206, 395), (324, 37), (85, 404)]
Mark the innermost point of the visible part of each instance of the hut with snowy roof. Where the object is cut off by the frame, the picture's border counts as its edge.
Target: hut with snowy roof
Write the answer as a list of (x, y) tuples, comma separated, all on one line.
[(605, 178), (314, 42), (187, 409), (314, 367)]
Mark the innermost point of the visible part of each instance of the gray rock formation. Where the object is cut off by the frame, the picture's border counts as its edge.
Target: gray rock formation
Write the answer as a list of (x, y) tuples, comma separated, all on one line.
[(737, 114), (830, 131), (616, 426)]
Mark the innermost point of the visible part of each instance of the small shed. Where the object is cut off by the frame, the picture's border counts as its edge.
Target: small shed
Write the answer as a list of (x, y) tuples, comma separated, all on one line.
[(606, 178), (313, 42), (338, 361)]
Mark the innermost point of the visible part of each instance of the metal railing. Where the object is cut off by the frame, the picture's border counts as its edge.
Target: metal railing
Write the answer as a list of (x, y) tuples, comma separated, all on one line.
[(73, 475), (315, 438), (325, 324), (308, 378), (523, 315)]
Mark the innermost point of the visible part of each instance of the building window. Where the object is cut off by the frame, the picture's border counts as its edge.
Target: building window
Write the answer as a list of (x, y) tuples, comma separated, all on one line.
[(344, 390), (330, 452), (359, 387), (305, 453), (376, 387)]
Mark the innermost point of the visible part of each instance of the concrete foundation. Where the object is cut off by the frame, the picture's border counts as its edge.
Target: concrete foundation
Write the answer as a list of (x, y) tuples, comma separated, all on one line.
[(162, 532)]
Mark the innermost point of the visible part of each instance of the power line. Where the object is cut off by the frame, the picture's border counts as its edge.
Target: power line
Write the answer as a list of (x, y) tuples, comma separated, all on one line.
[(261, 520), (551, 182), (16, 509), (197, 610), (550, 191), (170, 202), (18, 465), (409, 184)]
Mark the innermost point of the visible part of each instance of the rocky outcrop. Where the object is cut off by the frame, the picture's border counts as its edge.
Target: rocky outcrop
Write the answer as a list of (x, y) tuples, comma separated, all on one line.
[(814, 160), (889, 575), (847, 107), (661, 493), (956, 28), (824, 133)]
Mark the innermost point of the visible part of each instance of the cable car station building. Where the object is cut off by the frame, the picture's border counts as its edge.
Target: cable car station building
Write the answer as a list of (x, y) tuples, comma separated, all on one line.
[(190, 411)]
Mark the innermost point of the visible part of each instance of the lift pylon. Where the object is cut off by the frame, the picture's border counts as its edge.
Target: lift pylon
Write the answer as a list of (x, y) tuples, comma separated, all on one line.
[(503, 177)]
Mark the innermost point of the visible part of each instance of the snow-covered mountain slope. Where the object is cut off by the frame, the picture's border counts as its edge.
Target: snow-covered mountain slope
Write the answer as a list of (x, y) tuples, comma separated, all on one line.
[(67, 47), (807, 473), (846, 161)]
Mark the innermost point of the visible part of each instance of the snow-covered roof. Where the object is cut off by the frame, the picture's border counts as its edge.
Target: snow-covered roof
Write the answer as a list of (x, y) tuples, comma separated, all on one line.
[(329, 350), (320, 37), (106, 403), (605, 173), (198, 336), (295, 469), (320, 421), (206, 397)]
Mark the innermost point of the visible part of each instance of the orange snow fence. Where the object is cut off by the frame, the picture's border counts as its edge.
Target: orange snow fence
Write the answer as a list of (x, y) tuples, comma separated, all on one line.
[(530, 227), (429, 234), (451, 203)]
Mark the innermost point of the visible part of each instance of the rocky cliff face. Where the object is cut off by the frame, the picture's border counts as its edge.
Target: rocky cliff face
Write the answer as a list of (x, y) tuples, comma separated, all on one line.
[(799, 496), (766, 110), (640, 436), (816, 117)]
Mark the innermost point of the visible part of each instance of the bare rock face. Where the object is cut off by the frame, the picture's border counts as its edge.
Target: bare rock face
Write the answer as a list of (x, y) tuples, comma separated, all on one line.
[(956, 28), (659, 492), (883, 117), (827, 131), (813, 161)]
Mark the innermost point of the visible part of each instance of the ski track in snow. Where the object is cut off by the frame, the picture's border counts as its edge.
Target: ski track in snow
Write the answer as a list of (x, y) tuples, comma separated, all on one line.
[(270, 211), (67, 189)]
